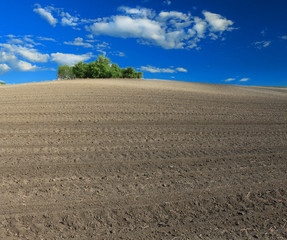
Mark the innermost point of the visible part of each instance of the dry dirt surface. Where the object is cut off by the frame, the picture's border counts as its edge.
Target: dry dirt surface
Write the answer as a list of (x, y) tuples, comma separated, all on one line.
[(142, 159)]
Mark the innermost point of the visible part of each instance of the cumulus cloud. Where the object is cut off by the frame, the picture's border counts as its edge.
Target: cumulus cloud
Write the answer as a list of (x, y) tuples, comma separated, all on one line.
[(284, 37), (138, 11), (153, 69), (229, 80), (25, 66), (46, 14), (15, 63), (4, 68), (14, 56), (79, 42), (54, 15), (166, 29), (200, 27), (30, 54), (217, 23), (180, 69), (69, 59), (7, 57), (244, 79), (262, 44), (68, 20), (169, 30)]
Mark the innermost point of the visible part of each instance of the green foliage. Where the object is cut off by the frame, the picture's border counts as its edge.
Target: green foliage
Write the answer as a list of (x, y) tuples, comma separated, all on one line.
[(65, 72), (131, 73), (101, 68), (116, 71), (80, 70)]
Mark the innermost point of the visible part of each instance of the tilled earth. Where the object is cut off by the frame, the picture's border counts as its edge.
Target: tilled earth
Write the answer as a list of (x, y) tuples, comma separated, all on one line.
[(142, 159)]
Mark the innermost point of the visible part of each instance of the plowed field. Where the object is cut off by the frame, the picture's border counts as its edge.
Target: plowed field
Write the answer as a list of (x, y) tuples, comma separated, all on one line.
[(142, 159)]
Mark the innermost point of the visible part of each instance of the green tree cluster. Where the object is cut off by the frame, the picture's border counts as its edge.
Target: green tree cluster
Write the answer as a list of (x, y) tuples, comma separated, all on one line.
[(101, 68)]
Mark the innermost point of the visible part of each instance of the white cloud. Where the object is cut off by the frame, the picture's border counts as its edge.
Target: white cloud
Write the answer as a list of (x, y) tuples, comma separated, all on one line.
[(4, 68), (49, 13), (284, 37), (162, 70), (15, 41), (127, 27), (244, 79), (139, 12), (46, 14), (180, 69), (174, 15), (167, 2), (262, 44), (118, 53), (69, 59), (200, 27), (46, 39), (15, 63), (25, 66), (156, 70), (217, 23), (30, 54), (68, 20), (90, 36), (263, 32), (7, 57), (79, 42), (169, 30), (229, 80), (13, 56)]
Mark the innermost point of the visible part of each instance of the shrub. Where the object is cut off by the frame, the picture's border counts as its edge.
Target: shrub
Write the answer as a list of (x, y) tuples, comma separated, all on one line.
[(65, 72), (101, 68)]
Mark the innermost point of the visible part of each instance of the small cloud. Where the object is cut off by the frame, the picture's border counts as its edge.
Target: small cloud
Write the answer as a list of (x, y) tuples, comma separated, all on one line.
[(70, 59), (118, 53), (79, 42), (261, 44), (46, 39), (157, 70), (180, 69), (244, 79), (15, 41), (263, 32), (167, 2), (284, 37), (30, 54), (25, 66), (91, 36), (229, 80), (68, 20), (46, 14), (4, 68), (217, 22), (162, 70), (2, 81)]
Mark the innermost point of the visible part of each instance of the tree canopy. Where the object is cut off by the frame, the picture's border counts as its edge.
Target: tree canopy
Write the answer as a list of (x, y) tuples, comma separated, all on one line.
[(100, 68)]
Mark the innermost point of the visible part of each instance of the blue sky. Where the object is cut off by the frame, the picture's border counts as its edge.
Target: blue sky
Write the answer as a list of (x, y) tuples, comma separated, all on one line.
[(224, 41)]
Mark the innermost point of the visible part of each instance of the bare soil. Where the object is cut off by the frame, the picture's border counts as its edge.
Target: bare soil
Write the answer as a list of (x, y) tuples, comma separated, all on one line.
[(142, 159)]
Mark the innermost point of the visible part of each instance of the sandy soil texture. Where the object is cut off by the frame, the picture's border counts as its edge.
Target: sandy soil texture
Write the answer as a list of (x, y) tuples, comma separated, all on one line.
[(142, 159)]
